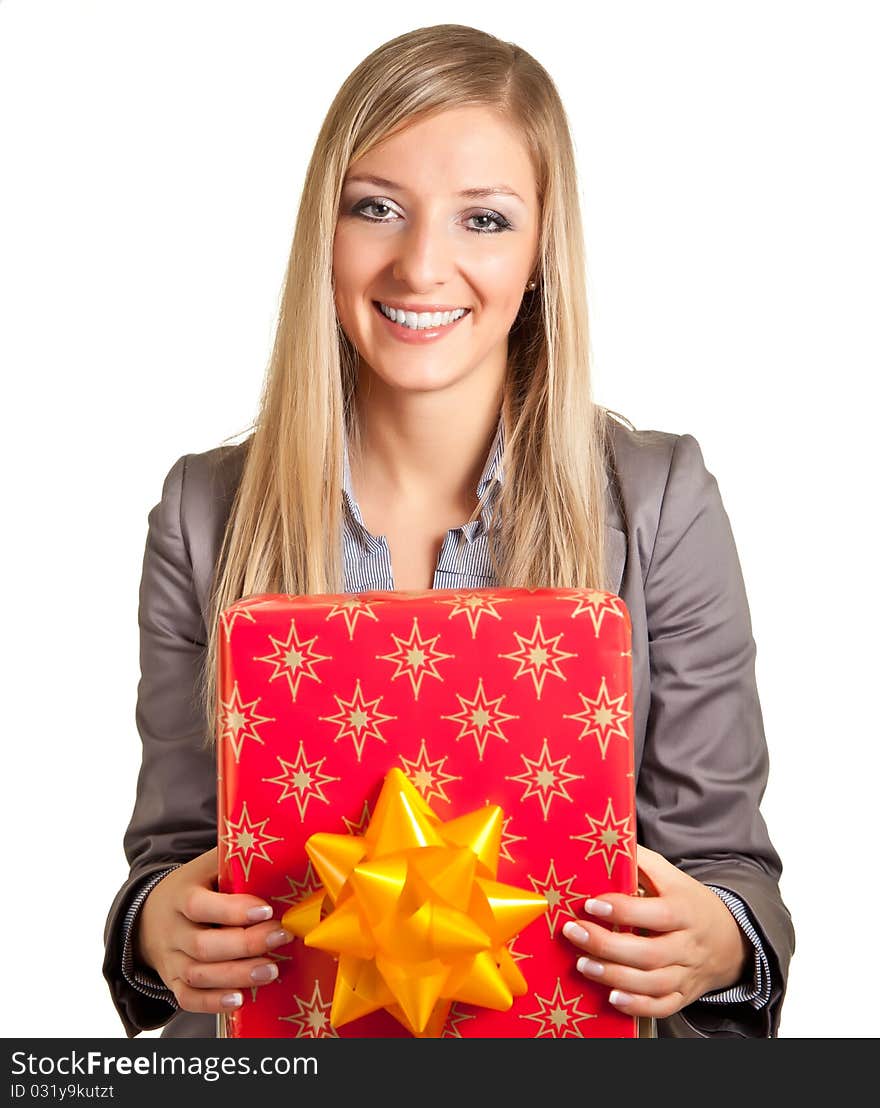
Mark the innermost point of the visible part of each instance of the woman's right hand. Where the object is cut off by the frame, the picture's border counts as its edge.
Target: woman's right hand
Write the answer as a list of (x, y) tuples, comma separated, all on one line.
[(205, 966)]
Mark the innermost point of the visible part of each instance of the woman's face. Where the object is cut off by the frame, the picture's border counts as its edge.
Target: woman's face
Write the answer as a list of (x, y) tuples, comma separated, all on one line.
[(450, 220)]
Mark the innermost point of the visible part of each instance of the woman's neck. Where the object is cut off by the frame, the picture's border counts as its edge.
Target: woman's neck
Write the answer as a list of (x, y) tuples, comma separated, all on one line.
[(427, 447)]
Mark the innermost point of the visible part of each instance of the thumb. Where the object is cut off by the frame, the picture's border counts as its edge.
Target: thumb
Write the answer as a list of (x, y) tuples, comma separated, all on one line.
[(205, 866), (656, 874)]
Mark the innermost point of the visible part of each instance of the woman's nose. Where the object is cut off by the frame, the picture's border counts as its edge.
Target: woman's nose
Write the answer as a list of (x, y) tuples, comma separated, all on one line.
[(424, 255)]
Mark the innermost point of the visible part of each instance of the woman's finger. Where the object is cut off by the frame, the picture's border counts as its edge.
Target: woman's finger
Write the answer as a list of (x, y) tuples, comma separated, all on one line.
[(242, 973), (636, 1005), (223, 944), (645, 952), (202, 905), (651, 913), (209, 861), (657, 874), (654, 983), (205, 1000)]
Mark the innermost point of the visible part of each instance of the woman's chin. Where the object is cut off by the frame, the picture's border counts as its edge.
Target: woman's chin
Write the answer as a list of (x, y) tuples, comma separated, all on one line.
[(416, 378)]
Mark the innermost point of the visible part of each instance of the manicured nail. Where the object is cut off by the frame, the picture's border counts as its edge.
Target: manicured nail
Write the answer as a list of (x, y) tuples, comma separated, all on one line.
[(258, 915), (262, 975), (231, 1000), (278, 938), (594, 969), (575, 932), (599, 907), (616, 997)]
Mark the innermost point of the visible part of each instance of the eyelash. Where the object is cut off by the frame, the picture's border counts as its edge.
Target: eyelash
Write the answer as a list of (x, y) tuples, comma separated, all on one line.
[(501, 224)]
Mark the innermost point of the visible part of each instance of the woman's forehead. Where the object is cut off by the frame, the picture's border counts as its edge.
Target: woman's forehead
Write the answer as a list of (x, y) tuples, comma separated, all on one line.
[(471, 152)]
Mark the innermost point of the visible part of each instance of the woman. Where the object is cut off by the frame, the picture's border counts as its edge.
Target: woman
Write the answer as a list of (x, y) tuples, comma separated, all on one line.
[(429, 391)]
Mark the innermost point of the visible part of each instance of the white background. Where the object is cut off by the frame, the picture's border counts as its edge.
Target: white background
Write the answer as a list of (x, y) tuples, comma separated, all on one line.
[(151, 157)]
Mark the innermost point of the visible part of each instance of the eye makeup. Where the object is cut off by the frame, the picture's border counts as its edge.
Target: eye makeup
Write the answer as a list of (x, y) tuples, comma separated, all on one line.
[(499, 222)]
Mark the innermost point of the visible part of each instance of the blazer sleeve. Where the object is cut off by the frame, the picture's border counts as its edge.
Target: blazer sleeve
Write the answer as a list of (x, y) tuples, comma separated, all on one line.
[(705, 763), (175, 809)]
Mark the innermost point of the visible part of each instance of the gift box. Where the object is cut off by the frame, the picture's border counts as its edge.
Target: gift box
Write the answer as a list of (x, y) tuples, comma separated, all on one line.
[(516, 702)]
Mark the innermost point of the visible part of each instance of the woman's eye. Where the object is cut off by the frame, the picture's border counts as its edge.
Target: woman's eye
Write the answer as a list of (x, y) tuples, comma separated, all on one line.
[(497, 221), (364, 205)]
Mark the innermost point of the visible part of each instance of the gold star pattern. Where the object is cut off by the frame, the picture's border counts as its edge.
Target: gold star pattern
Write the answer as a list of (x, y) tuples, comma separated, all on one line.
[(558, 1016), (508, 839), (310, 883), (481, 718), (596, 605), (473, 606), (312, 1017), (294, 659), (609, 837), (515, 954), (229, 615), (358, 826), (455, 1017), (545, 778), (301, 779), (558, 894), (247, 840), (538, 656), (602, 716), (358, 719), (415, 657), (351, 609), (428, 776), (240, 721)]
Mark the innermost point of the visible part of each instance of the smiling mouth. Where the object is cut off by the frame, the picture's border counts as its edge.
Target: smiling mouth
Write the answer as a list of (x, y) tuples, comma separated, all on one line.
[(420, 321)]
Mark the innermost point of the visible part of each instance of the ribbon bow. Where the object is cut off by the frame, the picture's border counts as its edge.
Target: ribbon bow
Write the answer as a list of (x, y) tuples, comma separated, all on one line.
[(416, 916)]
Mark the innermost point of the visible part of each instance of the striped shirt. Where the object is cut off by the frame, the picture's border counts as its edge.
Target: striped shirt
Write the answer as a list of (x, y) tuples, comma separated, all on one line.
[(462, 563)]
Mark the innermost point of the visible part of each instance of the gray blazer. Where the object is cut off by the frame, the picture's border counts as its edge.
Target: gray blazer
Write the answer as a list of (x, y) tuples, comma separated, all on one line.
[(700, 752)]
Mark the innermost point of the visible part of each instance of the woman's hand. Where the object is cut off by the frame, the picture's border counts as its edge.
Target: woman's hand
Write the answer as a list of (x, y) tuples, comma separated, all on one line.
[(204, 966), (695, 944)]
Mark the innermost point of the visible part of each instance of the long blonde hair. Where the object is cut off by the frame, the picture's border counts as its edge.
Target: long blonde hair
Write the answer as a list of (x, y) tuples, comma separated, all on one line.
[(547, 528)]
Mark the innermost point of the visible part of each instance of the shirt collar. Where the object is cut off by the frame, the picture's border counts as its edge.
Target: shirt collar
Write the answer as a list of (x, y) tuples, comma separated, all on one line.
[(493, 469)]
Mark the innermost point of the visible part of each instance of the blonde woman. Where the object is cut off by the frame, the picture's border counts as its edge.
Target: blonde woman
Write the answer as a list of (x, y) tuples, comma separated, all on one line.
[(427, 421)]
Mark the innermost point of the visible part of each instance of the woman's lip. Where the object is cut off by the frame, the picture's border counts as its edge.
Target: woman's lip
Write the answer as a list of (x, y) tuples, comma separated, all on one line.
[(427, 334)]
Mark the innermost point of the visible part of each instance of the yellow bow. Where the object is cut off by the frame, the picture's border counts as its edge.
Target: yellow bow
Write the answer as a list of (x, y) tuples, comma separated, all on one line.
[(418, 920)]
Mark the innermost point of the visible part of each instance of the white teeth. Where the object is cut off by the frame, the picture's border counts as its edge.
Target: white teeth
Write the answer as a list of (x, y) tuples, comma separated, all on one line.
[(417, 321)]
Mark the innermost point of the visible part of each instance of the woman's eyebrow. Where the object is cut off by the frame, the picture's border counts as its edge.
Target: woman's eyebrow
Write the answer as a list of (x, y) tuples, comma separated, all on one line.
[(471, 194)]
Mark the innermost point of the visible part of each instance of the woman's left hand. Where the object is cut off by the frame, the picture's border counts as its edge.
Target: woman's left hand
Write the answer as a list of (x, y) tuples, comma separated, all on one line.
[(695, 944)]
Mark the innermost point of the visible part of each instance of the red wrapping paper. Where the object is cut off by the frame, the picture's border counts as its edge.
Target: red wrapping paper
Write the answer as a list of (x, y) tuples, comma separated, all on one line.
[(515, 697)]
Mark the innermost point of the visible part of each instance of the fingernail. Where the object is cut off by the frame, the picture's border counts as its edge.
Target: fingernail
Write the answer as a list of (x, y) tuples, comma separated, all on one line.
[(595, 969), (262, 975), (616, 997), (599, 907), (231, 1000), (278, 938), (258, 915), (575, 932)]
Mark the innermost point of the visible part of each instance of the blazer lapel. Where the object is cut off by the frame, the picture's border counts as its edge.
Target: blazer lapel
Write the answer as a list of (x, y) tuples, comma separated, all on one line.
[(615, 557), (615, 538)]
